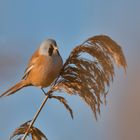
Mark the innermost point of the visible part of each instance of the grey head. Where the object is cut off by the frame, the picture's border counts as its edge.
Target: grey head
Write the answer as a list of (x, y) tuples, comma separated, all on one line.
[(51, 41), (48, 47)]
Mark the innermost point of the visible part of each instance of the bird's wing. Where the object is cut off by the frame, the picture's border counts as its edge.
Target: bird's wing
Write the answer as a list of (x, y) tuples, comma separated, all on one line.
[(31, 64)]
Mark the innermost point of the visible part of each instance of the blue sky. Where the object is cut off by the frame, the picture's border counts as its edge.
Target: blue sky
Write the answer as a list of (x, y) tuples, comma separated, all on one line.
[(24, 24)]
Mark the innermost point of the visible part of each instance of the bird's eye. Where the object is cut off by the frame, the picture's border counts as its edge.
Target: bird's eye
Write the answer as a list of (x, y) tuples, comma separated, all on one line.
[(50, 50)]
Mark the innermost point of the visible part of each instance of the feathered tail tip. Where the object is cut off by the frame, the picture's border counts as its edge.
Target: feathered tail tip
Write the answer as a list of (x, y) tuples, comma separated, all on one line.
[(14, 89), (89, 78)]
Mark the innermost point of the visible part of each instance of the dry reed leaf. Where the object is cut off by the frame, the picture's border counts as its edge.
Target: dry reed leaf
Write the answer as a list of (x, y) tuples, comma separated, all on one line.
[(64, 102), (34, 133), (89, 76)]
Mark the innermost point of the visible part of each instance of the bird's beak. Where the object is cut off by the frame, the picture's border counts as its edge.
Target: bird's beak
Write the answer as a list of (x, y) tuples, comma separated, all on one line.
[(56, 48)]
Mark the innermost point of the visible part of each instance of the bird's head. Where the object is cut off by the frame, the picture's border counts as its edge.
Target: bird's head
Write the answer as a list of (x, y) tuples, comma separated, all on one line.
[(48, 47)]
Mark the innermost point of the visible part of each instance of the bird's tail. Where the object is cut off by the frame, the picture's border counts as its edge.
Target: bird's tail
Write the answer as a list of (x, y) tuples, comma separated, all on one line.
[(15, 88)]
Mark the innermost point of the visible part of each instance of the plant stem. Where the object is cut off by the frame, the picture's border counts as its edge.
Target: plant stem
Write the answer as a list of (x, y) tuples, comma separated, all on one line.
[(37, 113)]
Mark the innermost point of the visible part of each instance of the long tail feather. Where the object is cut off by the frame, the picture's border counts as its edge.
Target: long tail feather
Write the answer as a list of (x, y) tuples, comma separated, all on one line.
[(15, 88)]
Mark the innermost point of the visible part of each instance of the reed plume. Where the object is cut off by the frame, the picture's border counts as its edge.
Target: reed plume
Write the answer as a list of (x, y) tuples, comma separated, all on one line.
[(89, 76), (34, 132)]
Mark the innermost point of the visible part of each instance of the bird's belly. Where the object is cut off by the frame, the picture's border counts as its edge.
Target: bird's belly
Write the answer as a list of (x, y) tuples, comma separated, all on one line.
[(43, 75)]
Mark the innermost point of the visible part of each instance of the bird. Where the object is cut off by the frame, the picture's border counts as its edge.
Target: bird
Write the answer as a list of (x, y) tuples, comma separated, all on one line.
[(42, 69)]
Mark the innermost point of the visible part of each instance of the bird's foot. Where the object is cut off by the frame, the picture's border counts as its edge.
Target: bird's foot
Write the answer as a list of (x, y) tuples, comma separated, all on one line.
[(46, 94)]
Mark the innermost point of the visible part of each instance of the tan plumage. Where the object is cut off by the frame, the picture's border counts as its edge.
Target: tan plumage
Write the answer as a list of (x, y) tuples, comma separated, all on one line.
[(42, 68)]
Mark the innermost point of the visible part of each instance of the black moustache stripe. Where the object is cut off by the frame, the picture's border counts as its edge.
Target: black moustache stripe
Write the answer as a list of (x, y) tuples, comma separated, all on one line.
[(50, 50), (58, 53)]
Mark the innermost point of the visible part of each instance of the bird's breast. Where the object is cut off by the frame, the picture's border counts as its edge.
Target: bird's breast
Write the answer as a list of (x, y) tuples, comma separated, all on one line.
[(46, 69)]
